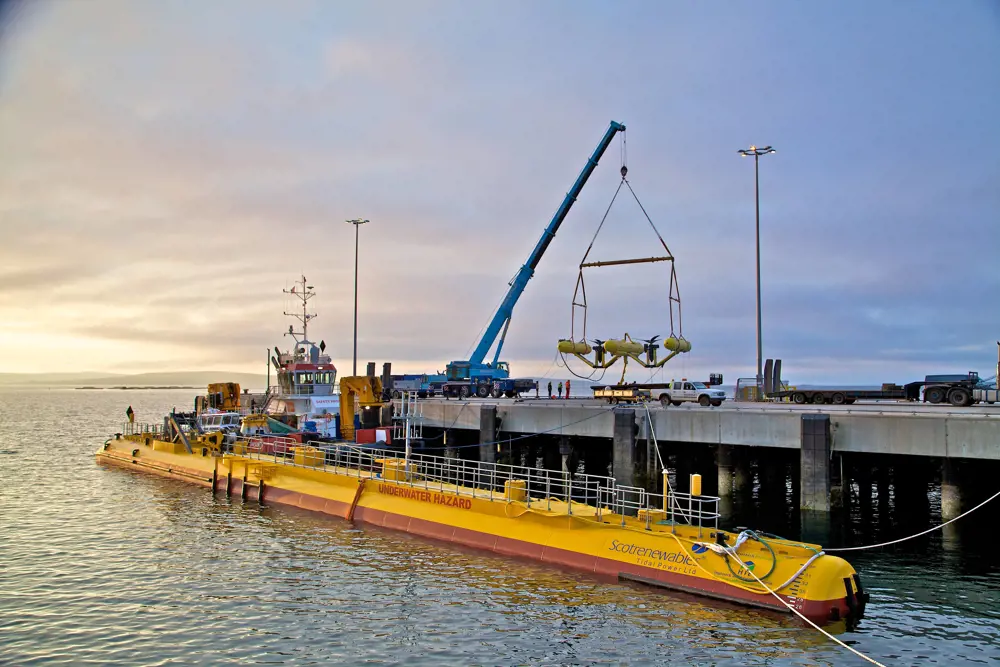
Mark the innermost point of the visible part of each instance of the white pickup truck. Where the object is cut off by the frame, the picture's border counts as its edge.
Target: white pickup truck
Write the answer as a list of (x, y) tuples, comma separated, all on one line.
[(685, 390)]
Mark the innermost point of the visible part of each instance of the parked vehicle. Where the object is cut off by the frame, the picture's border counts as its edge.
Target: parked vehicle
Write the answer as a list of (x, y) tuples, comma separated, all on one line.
[(959, 390), (623, 394), (684, 391)]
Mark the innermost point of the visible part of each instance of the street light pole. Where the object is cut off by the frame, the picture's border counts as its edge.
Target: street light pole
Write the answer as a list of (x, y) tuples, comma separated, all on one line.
[(757, 152), (357, 222)]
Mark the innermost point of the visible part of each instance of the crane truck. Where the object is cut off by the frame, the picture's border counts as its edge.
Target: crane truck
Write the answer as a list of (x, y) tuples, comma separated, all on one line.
[(475, 376)]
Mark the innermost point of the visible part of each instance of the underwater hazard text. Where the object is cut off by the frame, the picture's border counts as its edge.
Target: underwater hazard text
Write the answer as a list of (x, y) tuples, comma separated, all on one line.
[(660, 559), (425, 496)]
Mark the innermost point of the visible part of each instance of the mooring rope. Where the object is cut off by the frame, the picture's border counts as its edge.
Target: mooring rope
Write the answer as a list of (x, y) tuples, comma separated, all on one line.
[(803, 617), (923, 532)]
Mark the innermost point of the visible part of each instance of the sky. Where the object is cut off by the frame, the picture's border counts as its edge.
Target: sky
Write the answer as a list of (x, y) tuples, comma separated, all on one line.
[(170, 167)]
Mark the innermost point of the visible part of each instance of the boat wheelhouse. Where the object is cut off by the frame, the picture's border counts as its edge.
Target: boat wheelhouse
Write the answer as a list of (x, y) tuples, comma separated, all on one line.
[(305, 396)]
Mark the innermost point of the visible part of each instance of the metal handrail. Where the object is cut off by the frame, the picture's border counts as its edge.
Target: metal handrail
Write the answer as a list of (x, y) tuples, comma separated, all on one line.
[(596, 496)]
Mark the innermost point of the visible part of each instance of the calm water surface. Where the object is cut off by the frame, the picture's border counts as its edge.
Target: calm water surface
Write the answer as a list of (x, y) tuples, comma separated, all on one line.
[(106, 566)]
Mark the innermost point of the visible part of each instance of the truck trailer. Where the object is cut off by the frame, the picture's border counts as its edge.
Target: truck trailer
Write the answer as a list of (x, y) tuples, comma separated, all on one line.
[(959, 390)]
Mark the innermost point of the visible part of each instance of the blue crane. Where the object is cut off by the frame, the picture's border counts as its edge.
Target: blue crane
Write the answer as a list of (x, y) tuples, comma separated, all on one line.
[(474, 368)]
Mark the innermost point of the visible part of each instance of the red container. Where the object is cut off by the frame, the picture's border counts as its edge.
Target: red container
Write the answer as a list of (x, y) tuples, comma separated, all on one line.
[(369, 436)]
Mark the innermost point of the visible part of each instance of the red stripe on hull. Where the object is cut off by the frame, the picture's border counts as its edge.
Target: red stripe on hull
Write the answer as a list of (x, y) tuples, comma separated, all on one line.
[(817, 610)]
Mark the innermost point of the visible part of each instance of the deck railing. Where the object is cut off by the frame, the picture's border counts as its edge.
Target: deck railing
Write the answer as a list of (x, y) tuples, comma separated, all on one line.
[(594, 496), (597, 497)]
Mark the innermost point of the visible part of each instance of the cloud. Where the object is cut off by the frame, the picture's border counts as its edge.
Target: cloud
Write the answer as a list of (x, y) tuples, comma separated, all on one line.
[(162, 184)]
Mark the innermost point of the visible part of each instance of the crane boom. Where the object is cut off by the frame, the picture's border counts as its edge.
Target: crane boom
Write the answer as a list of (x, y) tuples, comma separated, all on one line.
[(501, 320)]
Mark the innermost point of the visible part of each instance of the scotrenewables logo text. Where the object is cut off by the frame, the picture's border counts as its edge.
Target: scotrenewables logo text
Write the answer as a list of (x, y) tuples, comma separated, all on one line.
[(660, 556)]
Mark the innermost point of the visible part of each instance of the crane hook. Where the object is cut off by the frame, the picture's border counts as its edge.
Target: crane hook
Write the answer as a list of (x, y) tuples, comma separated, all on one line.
[(624, 171)]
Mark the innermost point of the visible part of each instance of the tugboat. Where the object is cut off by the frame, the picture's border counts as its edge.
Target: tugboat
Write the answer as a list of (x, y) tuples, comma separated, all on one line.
[(305, 398)]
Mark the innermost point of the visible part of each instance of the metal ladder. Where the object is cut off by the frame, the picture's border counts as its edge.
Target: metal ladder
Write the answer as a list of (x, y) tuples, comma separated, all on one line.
[(409, 419)]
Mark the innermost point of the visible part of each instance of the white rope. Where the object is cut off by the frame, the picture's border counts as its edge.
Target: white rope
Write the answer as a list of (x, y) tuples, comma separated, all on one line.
[(743, 536), (929, 530), (663, 466), (722, 550), (800, 615)]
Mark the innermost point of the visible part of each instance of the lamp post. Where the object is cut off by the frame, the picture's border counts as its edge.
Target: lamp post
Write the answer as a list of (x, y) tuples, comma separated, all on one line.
[(757, 152), (357, 222)]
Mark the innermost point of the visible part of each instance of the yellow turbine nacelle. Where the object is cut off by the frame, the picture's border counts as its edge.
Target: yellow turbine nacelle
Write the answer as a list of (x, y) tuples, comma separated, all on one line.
[(677, 344), (618, 347), (567, 346)]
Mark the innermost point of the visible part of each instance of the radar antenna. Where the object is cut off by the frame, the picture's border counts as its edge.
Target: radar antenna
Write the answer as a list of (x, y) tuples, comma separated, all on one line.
[(303, 292)]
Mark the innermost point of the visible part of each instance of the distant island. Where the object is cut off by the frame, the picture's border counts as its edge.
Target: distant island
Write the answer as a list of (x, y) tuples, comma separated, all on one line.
[(158, 380), (173, 386)]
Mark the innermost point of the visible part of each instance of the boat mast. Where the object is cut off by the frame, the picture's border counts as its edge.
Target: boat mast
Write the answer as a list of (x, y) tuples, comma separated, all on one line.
[(304, 292)]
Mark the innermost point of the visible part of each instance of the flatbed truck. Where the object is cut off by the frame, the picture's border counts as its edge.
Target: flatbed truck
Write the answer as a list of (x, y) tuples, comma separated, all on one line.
[(623, 394), (667, 393), (959, 390)]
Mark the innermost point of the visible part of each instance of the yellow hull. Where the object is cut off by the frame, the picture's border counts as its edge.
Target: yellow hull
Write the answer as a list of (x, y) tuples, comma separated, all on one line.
[(680, 557)]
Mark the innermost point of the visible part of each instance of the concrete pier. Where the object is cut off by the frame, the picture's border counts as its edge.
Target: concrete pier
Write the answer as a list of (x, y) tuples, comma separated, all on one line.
[(815, 463), (876, 445)]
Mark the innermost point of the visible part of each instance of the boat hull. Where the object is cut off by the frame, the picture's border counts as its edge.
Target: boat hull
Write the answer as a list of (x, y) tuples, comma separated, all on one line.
[(613, 546)]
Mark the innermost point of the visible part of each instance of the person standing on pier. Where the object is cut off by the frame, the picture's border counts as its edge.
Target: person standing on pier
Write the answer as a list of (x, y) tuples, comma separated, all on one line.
[(567, 388), (560, 389), (550, 389)]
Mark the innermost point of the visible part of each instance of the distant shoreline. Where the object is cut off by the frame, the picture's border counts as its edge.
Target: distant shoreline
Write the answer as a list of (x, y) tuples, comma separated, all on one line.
[(131, 388)]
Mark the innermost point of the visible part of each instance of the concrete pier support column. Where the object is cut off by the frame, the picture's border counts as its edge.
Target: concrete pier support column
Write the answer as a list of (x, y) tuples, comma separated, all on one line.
[(773, 482), (724, 464), (623, 447), (551, 459), (743, 475), (683, 467), (597, 458), (814, 463), (530, 453), (451, 439), (911, 479), (565, 450), (488, 433), (837, 483), (862, 472), (951, 494)]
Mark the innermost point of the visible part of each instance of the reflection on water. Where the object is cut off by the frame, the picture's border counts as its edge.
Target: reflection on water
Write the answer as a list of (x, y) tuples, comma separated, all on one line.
[(115, 567)]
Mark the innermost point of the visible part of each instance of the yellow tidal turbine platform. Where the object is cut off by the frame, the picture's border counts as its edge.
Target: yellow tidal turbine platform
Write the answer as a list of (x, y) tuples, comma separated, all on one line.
[(567, 346)]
